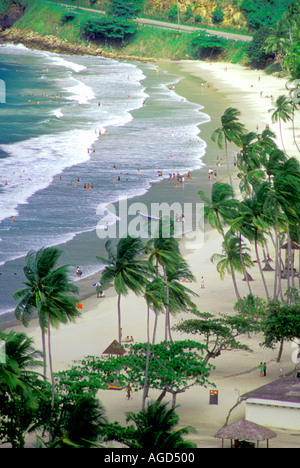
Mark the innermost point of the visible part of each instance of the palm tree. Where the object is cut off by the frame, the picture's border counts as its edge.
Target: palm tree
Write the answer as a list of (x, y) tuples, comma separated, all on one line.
[(278, 43), (164, 253), (286, 193), (155, 296), (252, 221), (230, 259), (179, 296), (294, 92), (20, 364), (154, 428), (49, 292), (79, 424), (230, 131), (282, 113), (20, 387), (125, 268), (222, 206), (291, 18)]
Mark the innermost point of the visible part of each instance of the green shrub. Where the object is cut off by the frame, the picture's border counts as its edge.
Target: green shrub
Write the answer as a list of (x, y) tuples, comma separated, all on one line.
[(107, 27), (256, 48), (204, 46), (264, 12), (217, 16)]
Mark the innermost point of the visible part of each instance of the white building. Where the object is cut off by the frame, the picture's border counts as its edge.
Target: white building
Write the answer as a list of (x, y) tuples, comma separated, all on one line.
[(276, 404)]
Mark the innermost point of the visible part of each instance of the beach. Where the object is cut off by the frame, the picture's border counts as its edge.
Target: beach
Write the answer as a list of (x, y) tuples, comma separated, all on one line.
[(215, 86)]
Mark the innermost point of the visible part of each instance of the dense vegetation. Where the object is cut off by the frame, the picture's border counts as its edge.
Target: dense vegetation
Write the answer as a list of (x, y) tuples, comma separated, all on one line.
[(273, 24)]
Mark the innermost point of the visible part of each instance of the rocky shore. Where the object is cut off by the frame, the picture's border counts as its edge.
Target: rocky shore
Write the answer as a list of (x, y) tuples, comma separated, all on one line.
[(51, 43)]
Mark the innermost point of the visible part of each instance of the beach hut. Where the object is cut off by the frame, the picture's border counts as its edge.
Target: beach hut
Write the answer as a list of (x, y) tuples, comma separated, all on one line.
[(115, 349), (276, 404), (244, 434)]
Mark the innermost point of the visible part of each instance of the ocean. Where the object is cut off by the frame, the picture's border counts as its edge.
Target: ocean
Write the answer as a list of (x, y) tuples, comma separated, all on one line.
[(77, 134)]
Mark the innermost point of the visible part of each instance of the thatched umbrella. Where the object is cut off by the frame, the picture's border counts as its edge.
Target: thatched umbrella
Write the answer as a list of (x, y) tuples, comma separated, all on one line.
[(115, 348), (244, 430), (290, 247)]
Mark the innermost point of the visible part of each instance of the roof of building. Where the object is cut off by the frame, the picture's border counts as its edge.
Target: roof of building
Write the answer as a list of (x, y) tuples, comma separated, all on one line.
[(115, 348), (245, 430), (285, 389)]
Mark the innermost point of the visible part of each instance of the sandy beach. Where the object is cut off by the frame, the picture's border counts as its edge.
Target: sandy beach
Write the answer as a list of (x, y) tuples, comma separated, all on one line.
[(235, 372)]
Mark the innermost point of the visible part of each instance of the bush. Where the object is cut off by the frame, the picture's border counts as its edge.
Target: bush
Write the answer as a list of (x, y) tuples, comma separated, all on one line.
[(204, 46), (217, 16), (264, 12), (173, 13), (256, 48), (67, 18), (115, 29)]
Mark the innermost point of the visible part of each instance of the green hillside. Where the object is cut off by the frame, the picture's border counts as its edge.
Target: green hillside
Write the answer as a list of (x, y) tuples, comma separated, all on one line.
[(275, 31)]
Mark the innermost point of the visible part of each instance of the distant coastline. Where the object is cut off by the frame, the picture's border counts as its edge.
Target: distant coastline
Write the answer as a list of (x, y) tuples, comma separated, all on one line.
[(50, 43)]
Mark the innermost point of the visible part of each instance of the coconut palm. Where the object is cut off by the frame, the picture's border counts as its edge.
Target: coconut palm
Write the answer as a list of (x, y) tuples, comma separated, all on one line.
[(164, 254), (286, 194), (230, 259), (291, 18), (155, 296), (79, 424), (125, 268), (20, 363), (277, 43), (230, 131), (155, 428), (282, 113), (252, 222), (221, 208), (50, 293)]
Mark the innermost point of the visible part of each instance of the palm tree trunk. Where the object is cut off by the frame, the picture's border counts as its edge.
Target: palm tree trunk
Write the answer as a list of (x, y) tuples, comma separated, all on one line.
[(119, 319), (280, 127), (234, 283), (299, 261), (50, 362), (276, 254), (227, 162), (260, 268), (243, 265), (155, 327), (167, 322), (44, 354), (146, 386), (294, 130)]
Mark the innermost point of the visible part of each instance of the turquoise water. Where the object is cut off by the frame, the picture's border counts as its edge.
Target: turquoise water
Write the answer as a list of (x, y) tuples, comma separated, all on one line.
[(75, 122)]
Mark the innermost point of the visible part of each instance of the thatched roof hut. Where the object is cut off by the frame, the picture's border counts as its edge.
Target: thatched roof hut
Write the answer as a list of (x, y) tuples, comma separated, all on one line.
[(244, 430), (115, 348)]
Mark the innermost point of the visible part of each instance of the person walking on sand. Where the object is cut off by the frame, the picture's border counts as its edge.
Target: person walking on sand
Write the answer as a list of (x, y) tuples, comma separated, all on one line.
[(202, 282), (99, 289), (261, 369), (265, 369), (128, 391)]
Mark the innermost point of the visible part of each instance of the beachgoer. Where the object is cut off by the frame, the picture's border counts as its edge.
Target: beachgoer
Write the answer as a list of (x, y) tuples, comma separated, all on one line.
[(265, 369), (99, 289), (128, 391), (261, 369), (78, 272), (202, 282)]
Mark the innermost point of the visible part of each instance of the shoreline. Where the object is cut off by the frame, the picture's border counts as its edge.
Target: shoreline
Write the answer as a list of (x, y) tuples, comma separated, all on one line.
[(236, 372), (156, 193)]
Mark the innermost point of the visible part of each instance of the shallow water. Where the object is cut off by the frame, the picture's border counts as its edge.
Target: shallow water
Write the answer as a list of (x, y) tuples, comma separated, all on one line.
[(77, 133)]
